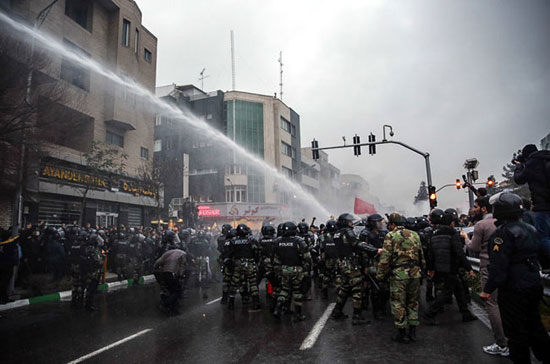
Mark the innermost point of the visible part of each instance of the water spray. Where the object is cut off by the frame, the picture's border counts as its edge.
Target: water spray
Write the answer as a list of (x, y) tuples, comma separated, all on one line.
[(41, 39)]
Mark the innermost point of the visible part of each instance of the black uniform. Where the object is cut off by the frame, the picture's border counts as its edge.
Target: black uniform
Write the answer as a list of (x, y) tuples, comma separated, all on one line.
[(446, 258), (514, 254)]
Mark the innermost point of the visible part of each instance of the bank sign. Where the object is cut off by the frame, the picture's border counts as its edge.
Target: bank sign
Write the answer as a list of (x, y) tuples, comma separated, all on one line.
[(240, 210), (69, 175)]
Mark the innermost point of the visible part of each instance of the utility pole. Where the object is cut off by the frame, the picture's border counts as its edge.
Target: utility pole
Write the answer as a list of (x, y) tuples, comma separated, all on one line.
[(232, 62), (315, 149), (202, 77), (281, 71), (471, 176)]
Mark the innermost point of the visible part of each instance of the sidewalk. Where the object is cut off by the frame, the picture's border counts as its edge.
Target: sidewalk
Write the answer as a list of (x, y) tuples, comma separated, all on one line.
[(111, 284)]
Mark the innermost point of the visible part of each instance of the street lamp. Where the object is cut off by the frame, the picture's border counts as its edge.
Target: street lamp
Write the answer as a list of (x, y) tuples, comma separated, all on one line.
[(232, 197)]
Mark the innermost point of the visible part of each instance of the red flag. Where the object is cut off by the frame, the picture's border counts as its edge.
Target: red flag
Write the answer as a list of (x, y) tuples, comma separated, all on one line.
[(363, 207)]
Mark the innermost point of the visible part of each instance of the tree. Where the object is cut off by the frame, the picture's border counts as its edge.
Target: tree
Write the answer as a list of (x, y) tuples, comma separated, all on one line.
[(100, 160), (508, 174), (35, 110), (154, 174), (422, 194)]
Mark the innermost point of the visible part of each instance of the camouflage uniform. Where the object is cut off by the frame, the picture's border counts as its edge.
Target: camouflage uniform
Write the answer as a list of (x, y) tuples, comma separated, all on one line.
[(329, 263), (402, 260), (292, 257), (349, 250), (243, 252), (86, 270)]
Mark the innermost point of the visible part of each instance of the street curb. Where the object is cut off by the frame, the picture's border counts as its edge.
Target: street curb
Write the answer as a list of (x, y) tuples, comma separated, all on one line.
[(66, 295)]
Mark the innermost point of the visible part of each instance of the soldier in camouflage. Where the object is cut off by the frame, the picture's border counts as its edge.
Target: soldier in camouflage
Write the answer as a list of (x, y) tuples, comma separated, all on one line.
[(267, 242), (402, 261), (292, 256)]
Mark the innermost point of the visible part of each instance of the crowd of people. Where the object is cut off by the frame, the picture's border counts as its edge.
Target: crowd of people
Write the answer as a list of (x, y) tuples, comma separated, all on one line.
[(378, 262)]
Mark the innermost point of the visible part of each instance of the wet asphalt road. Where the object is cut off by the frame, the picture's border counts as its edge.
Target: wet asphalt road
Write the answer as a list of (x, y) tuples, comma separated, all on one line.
[(208, 333)]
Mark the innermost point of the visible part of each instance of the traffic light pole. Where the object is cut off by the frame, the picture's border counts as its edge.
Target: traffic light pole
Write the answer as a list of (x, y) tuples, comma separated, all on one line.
[(423, 154)]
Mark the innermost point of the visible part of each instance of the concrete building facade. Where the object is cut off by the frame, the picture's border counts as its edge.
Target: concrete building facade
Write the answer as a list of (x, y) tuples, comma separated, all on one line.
[(110, 33)]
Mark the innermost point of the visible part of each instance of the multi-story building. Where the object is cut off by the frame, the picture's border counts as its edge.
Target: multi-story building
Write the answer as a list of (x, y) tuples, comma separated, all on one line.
[(193, 164), (311, 174), (110, 33), (268, 129), (329, 180)]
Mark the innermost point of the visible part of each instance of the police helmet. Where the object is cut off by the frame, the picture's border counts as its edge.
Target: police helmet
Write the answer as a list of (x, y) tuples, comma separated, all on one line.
[(242, 230), (331, 226), (344, 220), (437, 216), (373, 219), (422, 222), (303, 227), (450, 216), (170, 235), (506, 205), (289, 228), (280, 229), (410, 223), (83, 235), (226, 228), (268, 230)]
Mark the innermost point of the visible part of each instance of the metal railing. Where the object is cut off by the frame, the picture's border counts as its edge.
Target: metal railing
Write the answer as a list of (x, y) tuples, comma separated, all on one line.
[(474, 262)]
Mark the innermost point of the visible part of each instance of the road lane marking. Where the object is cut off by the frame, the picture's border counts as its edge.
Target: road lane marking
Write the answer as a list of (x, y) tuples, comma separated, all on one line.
[(82, 358), (316, 331), (213, 301)]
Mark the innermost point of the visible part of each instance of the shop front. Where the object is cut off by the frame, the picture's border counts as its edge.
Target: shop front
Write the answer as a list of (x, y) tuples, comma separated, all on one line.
[(111, 200), (253, 215)]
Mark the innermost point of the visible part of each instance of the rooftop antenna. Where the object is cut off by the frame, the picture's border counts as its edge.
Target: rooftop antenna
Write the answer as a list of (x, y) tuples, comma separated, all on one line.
[(281, 68), (202, 77), (232, 61)]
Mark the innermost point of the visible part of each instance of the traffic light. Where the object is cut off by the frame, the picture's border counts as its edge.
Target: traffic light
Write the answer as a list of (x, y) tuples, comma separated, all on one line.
[(314, 146), (433, 196), (356, 147), (491, 181), (372, 148), (458, 184)]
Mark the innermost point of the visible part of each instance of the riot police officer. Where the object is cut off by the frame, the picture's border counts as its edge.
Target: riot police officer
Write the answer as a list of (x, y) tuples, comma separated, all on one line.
[(307, 235), (515, 256), (378, 291), (266, 245), (244, 254), (224, 240), (328, 263), (349, 249), (445, 259), (291, 254)]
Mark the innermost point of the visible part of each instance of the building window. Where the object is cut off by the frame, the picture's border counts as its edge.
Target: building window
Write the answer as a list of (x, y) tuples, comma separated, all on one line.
[(126, 32), (158, 145), (158, 120), (235, 194), (285, 125), (115, 139), (293, 129), (73, 72), (288, 172), (147, 55), (144, 153), (80, 11), (136, 41), (288, 150)]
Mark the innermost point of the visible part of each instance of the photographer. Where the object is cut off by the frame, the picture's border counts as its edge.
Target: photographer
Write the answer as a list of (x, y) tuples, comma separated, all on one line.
[(533, 168)]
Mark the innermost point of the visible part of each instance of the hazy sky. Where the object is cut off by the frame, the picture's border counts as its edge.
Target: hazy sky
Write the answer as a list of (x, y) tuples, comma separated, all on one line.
[(458, 79)]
